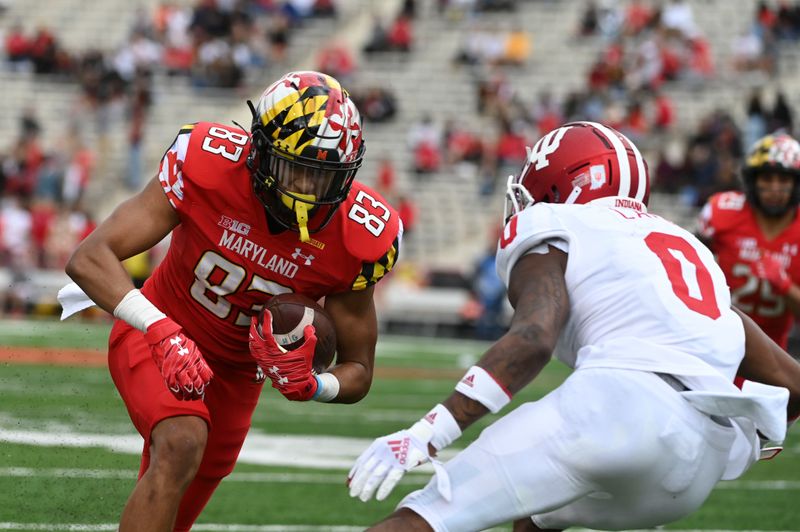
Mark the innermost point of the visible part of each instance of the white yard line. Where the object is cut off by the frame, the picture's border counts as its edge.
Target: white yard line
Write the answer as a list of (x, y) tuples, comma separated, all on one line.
[(316, 452)]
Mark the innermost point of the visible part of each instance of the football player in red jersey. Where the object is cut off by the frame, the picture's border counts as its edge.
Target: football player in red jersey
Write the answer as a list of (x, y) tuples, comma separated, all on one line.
[(252, 214), (755, 235)]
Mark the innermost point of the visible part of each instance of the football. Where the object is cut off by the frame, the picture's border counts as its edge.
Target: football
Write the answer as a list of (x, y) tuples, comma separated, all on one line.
[(290, 315)]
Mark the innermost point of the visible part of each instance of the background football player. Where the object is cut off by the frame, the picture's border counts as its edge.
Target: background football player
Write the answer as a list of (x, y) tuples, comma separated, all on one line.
[(755, 235), (252, 214), (649, 420)]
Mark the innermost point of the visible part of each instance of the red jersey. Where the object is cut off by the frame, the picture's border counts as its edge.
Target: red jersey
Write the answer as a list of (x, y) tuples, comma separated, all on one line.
[(223, 262), (727, 221)]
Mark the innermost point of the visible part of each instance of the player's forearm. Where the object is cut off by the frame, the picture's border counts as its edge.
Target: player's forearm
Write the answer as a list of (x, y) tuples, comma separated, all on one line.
[(513, 362), (98, 271), (355, 380), (766, 362)]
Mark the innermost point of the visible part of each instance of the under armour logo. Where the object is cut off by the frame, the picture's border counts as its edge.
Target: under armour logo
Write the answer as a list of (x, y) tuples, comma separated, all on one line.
[(469, 380), (281, 380), (298, 254), (178, 342), (400, 449)]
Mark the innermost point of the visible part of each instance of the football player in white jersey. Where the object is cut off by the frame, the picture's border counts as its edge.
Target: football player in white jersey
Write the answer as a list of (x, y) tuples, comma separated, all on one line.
[(649, 420)]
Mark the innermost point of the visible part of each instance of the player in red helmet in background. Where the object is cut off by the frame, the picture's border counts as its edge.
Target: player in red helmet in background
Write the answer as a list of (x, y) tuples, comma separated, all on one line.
[(649, 420), (252, 214), (755, 235)]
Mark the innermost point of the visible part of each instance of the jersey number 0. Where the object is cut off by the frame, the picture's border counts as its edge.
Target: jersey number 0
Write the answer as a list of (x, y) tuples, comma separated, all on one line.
[(689, 277)]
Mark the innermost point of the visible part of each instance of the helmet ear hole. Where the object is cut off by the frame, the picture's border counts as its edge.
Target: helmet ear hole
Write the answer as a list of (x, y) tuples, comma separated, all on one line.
[(555, 194)]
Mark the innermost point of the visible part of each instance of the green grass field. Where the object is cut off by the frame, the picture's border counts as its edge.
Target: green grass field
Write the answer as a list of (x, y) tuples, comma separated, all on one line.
[(69, 455)]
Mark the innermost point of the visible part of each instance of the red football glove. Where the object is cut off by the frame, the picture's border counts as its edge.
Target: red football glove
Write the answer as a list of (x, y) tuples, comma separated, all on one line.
[(289, 371), (770, 269), (185, 372)]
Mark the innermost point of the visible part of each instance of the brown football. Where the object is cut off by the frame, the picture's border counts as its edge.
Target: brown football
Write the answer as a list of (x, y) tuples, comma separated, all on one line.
[(290, 315)]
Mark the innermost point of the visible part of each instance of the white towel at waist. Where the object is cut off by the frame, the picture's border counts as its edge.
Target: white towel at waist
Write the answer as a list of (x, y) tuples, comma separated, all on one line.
[(73, 300)]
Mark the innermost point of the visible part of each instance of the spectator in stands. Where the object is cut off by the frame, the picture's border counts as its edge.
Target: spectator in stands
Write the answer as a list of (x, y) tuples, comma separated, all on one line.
[(44, 52), (461, 145), (78, 172), (488, 291), (677, 16), (781, 116), (336, 59), (387, 177), (638, 17), (588, 19), (510, 146), (278, 35), (324, 9), (407, 211), (378, 40), (424, 140), (139, 103), (545, 112), (400, 36), (18, 48), (377, 104), (517, 47), (756, 124), (663, 111)]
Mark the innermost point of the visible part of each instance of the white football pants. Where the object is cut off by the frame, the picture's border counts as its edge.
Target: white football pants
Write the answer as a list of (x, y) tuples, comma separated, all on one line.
[(608, 449)]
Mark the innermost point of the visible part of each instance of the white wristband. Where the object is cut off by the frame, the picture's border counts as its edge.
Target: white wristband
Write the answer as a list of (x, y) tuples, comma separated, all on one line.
[(137, 311), (444, 425), (479, 385), (327, 388)]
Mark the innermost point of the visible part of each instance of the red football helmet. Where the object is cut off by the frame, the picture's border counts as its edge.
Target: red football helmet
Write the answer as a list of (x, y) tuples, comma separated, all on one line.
[(577, 163)]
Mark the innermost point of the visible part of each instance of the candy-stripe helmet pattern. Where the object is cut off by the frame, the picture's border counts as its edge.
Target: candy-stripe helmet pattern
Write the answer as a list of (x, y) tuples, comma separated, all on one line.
[(307, 147)]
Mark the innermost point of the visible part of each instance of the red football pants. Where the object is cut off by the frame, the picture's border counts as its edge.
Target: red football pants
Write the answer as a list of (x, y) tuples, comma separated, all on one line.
[(227, 408)]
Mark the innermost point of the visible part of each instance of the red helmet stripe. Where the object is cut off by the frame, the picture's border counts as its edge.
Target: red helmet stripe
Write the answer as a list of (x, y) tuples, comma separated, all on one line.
[(622, 159)]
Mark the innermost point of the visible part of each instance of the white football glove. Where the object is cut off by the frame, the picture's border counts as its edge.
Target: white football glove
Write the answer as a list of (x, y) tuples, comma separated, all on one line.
[(387, 459)]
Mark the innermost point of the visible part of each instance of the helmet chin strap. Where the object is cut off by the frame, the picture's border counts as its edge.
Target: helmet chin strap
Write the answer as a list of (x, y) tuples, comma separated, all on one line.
[(300, 208)]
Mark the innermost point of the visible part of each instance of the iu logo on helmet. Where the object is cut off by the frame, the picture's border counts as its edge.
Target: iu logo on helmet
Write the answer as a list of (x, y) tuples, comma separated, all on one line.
[(546, 146)]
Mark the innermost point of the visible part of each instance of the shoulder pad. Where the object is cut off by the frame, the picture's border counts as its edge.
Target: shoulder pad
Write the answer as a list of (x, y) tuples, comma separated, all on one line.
[(722, 211), (214, 150), (372, 233), (170, 170), (526, 230)]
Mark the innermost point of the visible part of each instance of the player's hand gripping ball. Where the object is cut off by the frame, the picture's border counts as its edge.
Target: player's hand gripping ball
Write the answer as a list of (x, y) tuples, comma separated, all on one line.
[(291, 313)]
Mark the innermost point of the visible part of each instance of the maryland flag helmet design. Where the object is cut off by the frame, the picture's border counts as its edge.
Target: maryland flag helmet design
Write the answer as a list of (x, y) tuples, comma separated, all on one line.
[(776, 153), (306, 149)]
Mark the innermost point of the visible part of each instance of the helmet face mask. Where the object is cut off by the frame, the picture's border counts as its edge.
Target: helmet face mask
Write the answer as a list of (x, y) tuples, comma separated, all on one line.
[(306, 150), (775, 154), (577, 163)]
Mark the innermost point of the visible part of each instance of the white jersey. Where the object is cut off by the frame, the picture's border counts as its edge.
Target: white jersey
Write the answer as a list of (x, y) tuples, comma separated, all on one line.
[(646, 295), (636, 281)]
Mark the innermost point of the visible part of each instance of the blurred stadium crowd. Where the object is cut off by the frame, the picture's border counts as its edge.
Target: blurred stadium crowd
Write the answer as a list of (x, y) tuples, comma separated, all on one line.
[(641, 63)]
